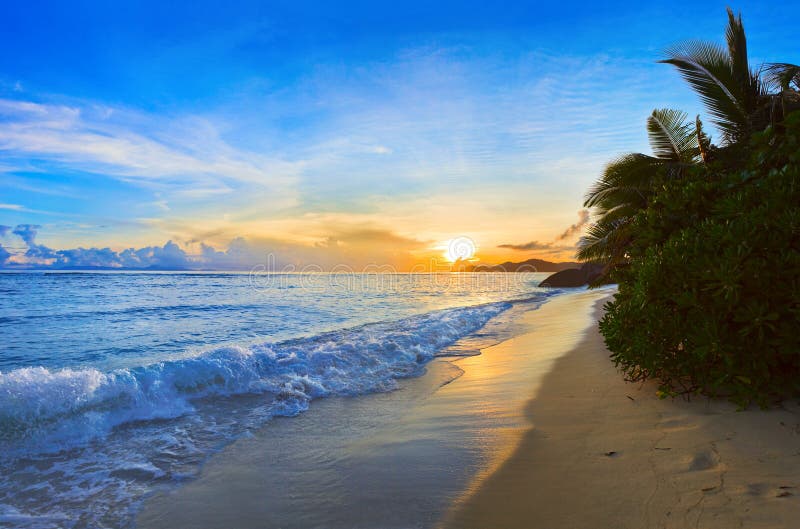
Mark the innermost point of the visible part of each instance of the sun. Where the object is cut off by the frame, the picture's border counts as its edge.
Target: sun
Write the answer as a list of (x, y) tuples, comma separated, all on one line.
[(460, 248)]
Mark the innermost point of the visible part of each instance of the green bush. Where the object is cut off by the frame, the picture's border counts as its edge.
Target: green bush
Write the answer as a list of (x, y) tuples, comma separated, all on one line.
[(709, 301)]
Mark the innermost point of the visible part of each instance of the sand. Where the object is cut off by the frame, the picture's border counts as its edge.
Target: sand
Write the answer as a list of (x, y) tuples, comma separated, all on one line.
[(603, 453), (394, 460), (538, 431)]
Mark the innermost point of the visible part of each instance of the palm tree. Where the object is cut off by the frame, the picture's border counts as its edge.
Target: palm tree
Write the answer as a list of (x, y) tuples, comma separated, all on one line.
[(626, 185), (787, 78), (737, 98), (740, 103), (785, 75)]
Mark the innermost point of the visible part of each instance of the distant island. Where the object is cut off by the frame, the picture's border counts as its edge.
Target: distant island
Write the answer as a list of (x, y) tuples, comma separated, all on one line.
[(531, 265)]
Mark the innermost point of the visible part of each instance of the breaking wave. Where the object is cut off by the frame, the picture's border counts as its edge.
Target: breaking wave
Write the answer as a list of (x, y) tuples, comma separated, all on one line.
[(42, 409)]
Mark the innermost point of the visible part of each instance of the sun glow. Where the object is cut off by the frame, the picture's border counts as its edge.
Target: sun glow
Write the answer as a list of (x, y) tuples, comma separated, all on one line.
[(460, 249)]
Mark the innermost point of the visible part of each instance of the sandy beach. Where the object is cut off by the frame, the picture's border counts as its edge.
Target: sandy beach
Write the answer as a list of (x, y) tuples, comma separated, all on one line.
[(392, 460), (537, 431), (605, 453)]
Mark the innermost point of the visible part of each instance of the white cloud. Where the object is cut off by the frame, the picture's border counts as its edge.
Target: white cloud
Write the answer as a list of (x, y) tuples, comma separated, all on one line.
[(135, 147), (498, 143)]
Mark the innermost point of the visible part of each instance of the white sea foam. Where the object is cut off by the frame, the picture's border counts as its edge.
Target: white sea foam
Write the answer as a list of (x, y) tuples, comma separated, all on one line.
[(71, 437), (41, 409)]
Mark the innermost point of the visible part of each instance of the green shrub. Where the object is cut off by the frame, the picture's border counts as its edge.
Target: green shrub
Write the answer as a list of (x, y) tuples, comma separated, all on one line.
[(710, 299)]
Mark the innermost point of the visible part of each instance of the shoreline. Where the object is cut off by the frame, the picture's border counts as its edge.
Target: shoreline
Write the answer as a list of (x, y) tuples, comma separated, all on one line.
[(600, 452), (389, 460)]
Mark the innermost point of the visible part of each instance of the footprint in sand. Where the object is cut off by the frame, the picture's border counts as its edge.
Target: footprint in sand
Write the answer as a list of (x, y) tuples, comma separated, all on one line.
[(677, 423), (704, 461)]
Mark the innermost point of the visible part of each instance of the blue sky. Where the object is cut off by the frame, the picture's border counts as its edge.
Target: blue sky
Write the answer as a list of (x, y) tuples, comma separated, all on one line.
[(333, 132)]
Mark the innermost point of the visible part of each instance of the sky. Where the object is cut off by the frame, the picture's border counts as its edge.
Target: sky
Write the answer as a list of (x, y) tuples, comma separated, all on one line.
[(210, 135)]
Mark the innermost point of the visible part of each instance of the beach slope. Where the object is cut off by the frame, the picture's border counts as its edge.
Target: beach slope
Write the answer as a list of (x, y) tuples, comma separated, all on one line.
[(392, 460), (604, 453)]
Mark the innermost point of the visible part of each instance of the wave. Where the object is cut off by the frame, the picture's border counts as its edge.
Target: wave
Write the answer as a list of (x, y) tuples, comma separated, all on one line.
[(44, 410)]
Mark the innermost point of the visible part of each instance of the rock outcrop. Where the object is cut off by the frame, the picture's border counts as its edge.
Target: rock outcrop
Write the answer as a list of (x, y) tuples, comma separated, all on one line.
[(573, 277)]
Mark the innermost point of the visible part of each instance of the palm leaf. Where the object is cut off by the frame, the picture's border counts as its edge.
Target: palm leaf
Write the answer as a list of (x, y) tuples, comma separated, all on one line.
[(671, 137), (708, 70), (734, 95), (737, 51), (605, 242), (784, 74), (626, 178)]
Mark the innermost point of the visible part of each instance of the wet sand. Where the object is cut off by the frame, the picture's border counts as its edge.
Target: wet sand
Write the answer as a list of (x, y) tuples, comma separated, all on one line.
[(539, 431), (603, 453), (393, 460)]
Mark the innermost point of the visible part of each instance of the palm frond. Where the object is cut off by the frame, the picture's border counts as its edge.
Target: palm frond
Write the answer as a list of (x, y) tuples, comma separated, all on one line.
[(625, 178), (618, 195), (708, 70), (737, 51), (605, 242), (671, 137), (784, 74), (615, 212), (753, 91)]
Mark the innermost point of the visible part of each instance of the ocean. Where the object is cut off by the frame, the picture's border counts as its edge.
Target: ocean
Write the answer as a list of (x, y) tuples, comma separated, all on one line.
[(116, 385)]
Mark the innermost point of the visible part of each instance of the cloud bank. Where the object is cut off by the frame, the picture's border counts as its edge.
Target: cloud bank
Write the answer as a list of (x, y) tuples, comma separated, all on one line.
[(38, 256), (528, 246), (358, 248)]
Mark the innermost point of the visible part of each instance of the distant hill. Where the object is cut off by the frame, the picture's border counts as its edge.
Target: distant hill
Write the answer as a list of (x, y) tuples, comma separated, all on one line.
[(531, 265)]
